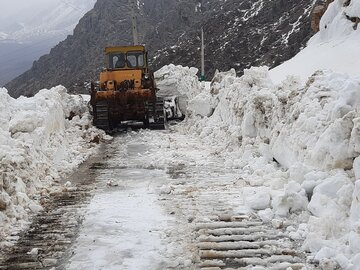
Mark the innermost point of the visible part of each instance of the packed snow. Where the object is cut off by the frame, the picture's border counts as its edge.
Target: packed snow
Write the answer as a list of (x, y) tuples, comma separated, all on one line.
[(169, 78), (42, 139), (125, 208), (132, 232)]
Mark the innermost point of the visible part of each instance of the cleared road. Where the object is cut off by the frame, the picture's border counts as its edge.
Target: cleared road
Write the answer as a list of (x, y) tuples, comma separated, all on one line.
[(163, 200)]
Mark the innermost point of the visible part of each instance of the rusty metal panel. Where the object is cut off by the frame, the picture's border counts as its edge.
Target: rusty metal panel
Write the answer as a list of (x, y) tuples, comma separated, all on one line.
[(124, 49)]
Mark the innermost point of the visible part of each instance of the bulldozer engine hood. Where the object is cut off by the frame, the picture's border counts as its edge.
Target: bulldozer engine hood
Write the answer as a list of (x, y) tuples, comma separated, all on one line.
[(121, 76)]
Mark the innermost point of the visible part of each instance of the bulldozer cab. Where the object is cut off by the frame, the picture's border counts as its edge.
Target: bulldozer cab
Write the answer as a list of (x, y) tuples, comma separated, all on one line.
[(126, 57), (126, 69)]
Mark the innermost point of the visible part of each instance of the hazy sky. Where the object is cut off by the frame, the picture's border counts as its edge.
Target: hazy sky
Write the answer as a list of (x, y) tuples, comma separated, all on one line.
[(18, 7), (21, 10), (14, 12)]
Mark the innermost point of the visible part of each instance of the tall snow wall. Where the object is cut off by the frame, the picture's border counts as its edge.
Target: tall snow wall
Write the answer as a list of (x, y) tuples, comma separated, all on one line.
[(41, 140), (300, 143)]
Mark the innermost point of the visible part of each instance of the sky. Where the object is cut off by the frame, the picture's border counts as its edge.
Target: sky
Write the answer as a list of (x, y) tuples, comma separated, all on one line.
[(22, 7), (15, 11)]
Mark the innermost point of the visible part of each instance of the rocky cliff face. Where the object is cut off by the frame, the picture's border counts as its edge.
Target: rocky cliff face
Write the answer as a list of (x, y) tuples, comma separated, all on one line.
[(239, 34)]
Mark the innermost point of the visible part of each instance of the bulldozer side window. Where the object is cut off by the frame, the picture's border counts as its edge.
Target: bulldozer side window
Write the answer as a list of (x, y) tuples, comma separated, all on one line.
[(141, 60), (135, 59), (131, 61)]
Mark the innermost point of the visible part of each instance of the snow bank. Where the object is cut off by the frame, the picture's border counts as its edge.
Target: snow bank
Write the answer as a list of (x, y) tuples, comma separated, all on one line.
[(297, 146), (178, 81), (333, 48), (41, 139)]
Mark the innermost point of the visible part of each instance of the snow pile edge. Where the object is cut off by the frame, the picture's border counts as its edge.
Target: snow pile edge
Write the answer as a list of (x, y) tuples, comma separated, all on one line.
[(42, 138)]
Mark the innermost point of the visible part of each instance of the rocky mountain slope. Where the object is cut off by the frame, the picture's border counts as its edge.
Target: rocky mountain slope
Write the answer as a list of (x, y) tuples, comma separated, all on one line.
[(239, 34)]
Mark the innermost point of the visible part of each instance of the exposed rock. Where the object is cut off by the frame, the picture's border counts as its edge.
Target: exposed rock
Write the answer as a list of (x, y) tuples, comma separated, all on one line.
[(317, 13), (3, 205)]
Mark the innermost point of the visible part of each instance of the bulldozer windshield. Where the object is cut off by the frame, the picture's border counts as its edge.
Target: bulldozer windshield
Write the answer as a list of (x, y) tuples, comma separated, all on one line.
[(117, 60), (131, 59)]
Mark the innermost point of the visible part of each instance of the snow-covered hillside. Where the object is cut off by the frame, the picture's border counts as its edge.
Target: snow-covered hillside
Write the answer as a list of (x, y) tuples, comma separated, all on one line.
[(335, 47), (41, 139)]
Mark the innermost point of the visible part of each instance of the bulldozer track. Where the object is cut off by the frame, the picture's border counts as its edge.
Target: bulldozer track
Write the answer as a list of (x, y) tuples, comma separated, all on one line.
[(101, 117), (157, 113)]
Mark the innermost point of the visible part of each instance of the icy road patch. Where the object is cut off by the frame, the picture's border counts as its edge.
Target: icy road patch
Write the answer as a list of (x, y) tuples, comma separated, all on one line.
[(132, 238), (124, 225)]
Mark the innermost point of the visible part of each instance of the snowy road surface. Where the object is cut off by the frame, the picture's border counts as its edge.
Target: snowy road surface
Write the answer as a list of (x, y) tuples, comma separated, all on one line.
[(165, 201), (124, 224), (161, 200)]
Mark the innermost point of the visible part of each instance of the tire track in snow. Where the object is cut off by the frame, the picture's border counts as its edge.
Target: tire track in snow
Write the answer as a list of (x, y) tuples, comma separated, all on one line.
[(227, 244), (221, 232), (45, 244)]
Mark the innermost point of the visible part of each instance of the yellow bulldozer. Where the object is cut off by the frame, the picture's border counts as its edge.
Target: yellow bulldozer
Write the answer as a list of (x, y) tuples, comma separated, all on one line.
[(126, 91)]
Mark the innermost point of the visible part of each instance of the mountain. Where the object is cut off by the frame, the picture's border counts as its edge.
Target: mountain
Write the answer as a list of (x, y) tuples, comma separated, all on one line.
[(29, 31), (16, 58), (238, 34)]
